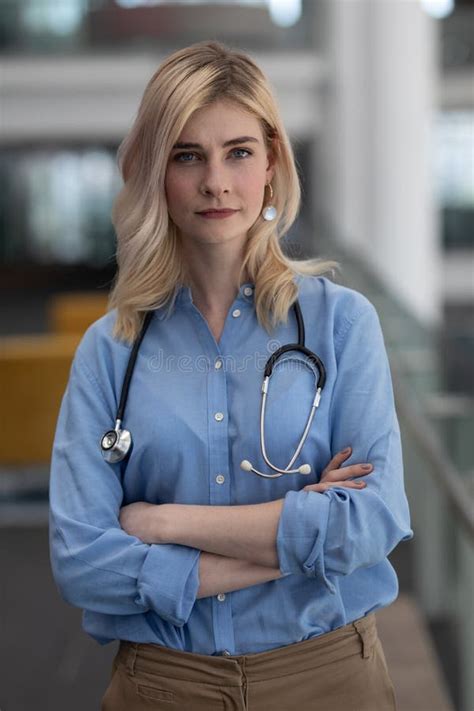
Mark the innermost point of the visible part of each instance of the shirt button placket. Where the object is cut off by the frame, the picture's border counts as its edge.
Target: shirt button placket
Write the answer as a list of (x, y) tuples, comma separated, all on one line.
[(219, 486)]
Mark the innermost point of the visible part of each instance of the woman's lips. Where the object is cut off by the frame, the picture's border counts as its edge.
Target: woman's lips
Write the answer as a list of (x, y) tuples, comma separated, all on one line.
[(217, 214)]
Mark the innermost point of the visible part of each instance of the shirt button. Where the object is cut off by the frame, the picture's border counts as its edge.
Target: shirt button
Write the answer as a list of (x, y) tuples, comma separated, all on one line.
[(219, 416), (218, 364), (248, 291), (221, 597), (236, 313), (220, 478)]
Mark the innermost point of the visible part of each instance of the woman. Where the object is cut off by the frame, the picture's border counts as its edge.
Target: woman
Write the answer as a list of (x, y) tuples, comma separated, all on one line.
[(227, 588)]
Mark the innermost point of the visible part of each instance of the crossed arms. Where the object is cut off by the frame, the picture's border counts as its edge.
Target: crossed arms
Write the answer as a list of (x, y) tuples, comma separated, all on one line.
[(237, 543)]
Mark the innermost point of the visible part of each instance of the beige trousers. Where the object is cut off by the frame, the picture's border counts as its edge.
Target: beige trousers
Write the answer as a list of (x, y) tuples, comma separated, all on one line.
[(343, 670)]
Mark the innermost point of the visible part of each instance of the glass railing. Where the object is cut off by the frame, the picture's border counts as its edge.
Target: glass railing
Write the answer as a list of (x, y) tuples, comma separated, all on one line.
[(437, 433)]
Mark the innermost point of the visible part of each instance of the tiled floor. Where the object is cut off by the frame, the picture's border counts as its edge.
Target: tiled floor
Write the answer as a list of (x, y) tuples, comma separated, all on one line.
[(47, 663), (411, 658)]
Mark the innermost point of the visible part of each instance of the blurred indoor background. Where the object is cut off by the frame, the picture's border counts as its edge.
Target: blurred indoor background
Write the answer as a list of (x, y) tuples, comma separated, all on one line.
[(378, 99)]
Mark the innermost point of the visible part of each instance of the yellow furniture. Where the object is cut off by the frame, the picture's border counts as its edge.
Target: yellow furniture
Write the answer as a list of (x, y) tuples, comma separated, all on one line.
[(73, 312), (34, 371)]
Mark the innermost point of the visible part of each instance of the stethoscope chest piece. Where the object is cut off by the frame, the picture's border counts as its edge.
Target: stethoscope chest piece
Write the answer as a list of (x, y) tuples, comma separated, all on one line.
[(115, 444)]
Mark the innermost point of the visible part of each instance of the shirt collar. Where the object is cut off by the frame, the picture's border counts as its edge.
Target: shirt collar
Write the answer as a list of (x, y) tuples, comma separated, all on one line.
[(182, 297)]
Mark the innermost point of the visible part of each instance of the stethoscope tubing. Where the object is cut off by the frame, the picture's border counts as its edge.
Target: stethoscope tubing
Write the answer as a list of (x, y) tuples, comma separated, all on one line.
[(300, 346), (116, 444)]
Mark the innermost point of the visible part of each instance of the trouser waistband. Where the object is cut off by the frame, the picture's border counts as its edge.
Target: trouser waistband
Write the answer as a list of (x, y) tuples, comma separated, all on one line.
[(357, 637)]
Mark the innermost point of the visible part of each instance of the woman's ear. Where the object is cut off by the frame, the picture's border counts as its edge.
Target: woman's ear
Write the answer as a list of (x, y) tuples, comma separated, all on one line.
[(271, 160)]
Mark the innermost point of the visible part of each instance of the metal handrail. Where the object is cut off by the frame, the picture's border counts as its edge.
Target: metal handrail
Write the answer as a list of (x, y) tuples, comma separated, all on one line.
[(447, 476)]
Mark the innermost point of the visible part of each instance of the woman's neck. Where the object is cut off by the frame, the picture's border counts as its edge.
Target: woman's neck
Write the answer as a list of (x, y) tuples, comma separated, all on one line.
[(213, 275)]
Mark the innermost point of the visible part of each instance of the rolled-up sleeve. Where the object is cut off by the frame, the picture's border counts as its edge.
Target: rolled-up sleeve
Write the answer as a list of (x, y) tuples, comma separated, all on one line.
[(97, 566), (336, 532)]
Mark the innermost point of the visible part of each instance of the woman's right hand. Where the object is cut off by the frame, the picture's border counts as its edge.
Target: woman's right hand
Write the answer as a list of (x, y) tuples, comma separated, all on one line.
[(333, 475)]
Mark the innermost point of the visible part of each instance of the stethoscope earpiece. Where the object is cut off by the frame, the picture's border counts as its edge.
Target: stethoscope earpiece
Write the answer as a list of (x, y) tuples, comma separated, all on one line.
[(320, 382), (248, 467)]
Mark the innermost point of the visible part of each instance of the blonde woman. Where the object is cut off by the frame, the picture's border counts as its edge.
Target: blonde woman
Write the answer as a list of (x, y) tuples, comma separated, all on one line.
[(234, 541)]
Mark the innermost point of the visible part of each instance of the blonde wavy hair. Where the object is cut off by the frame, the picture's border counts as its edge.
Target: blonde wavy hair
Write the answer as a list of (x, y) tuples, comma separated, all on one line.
[(150, 264)]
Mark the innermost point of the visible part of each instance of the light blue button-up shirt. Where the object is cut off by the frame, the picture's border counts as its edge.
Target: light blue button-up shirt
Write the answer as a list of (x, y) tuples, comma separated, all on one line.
[(332, 546)]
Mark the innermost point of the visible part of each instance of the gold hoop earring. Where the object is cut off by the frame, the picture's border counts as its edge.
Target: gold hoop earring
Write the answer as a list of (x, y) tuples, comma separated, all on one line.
[(269, 212)]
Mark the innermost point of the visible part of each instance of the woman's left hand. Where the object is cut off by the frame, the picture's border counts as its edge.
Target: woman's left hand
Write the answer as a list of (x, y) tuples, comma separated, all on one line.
[(335, 475), (142, 520)]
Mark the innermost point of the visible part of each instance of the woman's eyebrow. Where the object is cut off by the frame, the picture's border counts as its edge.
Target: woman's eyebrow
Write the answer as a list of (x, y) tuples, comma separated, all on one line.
[(232, 142)]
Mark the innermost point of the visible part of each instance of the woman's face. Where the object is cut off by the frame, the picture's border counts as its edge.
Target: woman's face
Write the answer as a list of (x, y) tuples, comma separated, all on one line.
[(220, 161)]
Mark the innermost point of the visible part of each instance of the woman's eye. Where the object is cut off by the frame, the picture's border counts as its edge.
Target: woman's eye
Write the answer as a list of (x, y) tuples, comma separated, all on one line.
[(183, 157), (242, 150), (189, 157)]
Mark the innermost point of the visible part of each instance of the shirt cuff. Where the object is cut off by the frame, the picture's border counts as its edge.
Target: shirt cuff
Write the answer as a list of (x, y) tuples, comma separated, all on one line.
[(301, 534), (168, 582)]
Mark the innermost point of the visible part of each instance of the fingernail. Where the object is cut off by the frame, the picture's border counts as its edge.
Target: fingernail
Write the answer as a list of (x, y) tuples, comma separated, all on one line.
[(361, 483), (367, 467), (346, 450)]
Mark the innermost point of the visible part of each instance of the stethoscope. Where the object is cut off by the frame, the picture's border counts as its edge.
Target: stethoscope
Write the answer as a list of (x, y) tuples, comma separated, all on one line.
[(116, 444)]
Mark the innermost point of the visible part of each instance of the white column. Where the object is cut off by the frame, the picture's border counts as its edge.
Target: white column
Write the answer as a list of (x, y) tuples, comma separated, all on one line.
[(375, 182)]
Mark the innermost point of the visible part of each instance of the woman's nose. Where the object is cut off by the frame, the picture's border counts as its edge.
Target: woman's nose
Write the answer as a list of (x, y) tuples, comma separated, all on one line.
[(214, 182)]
